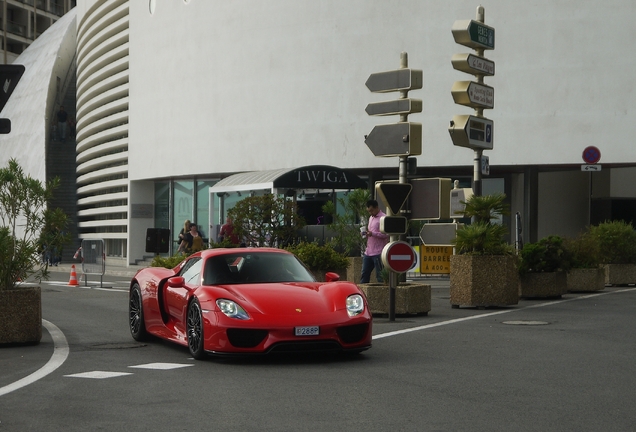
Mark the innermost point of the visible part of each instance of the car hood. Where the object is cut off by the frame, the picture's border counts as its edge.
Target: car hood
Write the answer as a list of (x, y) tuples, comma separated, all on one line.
[(288, 298)]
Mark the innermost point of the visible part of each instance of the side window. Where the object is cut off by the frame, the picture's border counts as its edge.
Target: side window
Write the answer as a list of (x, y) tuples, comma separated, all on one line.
[(191, 272)]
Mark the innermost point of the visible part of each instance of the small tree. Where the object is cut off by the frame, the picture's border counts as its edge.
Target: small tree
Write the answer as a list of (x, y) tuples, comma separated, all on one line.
[(266, 220), (346, 225), (483, 237), (28, 226)]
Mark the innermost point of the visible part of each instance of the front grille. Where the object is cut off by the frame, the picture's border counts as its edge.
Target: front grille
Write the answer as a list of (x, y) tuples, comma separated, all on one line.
[(246, 338), (353, 333)]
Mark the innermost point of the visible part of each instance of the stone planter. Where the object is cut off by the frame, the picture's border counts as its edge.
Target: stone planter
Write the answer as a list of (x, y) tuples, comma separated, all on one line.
[(410, 298), (354, 271), (620, 274), (586, 280), (483, 280), (543, 285), (21, 315)]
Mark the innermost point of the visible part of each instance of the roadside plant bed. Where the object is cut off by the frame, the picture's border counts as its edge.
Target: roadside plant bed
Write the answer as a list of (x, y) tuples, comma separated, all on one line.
[(620, 274), (21, 315), (484, 280), (586, 280), (411, 298), (484, 271), (543, 285), (617, 243), (542, 268), (586, 273)]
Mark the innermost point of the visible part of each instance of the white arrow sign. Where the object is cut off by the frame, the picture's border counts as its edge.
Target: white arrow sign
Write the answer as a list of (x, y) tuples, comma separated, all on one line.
[(472, 94), (473, 64)]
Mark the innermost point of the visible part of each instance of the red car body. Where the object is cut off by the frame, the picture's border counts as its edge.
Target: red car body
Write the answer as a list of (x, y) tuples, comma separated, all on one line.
[(271, 301)]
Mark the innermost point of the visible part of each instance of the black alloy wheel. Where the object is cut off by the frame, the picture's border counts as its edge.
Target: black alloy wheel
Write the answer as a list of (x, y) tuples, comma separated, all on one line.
[(194, 330), (136, 315)]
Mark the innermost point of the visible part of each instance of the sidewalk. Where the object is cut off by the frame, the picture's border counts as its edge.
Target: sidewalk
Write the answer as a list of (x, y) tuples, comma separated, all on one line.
[(118, 271)]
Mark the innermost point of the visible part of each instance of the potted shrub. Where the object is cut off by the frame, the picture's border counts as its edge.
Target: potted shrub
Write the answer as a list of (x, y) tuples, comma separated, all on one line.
[(483, 271), (542, 268), (320, 259), (28, 230), (586, 273), (617, 249)]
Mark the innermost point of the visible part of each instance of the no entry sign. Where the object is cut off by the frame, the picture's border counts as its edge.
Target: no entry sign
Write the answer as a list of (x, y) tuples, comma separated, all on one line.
[(398, 256)]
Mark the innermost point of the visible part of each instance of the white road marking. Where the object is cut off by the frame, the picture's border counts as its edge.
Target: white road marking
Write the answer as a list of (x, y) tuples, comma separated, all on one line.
[(98, 374), (161, 366), (458, 320), (60, 354)]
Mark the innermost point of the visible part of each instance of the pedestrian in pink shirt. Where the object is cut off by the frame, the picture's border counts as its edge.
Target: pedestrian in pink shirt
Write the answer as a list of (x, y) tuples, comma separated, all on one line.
[(376, 240)]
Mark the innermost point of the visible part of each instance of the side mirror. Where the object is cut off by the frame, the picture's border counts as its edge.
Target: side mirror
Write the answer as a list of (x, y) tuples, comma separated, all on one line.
[(175, 282), (331, 277)]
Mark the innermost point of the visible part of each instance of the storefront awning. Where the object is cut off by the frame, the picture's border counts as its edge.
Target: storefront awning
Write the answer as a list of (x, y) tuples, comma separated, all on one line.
[(308, 177)]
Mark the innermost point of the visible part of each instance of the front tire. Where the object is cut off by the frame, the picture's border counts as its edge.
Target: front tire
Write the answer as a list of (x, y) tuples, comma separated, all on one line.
[(136, 315), (194, 330)]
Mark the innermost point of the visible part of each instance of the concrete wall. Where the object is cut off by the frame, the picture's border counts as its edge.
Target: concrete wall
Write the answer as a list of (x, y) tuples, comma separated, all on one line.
[(141, 216), (563, 203), (257, 85), (623, 183)]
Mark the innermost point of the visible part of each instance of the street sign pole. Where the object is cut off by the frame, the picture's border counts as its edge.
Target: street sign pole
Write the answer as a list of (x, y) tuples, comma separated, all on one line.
[(403, 139), (398, 257), (474, 34)]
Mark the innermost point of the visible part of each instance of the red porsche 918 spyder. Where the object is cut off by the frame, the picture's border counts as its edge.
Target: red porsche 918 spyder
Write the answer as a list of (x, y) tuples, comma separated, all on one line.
[(248, 300)]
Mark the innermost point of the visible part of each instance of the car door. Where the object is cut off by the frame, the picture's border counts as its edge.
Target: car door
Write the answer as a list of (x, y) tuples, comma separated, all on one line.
[(177, 293)]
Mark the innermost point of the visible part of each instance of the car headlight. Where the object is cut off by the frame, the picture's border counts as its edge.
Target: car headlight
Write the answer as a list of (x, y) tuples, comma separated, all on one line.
[(355, 304), (232, 309)]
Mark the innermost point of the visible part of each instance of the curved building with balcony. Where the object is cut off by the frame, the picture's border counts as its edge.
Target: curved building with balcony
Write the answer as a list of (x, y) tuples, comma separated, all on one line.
[(102, 125)]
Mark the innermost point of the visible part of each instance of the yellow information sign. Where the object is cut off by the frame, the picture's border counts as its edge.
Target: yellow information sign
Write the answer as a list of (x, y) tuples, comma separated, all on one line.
[(435, 259)]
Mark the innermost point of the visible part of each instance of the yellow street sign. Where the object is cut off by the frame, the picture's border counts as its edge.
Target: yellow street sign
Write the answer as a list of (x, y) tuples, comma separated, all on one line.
[(435, 259)]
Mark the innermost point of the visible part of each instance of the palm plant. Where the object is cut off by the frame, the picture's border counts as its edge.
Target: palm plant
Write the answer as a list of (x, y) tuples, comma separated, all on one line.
[(483, 236)]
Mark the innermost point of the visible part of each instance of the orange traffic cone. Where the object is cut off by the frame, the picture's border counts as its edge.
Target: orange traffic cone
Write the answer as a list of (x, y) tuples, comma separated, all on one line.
[(73, 280)]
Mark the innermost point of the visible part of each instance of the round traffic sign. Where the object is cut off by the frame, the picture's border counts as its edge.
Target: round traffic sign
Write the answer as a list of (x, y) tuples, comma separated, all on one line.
[(591, 155), (398, 256)]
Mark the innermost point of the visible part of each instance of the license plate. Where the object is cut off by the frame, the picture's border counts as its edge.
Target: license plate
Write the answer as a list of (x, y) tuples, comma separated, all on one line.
[(307, 331)]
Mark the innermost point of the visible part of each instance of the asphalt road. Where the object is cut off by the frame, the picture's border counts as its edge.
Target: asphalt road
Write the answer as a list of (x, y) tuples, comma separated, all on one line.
[(559, 365)]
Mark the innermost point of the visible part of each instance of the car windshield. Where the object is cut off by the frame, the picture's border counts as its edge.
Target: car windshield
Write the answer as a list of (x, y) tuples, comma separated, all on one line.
[(254, 267)]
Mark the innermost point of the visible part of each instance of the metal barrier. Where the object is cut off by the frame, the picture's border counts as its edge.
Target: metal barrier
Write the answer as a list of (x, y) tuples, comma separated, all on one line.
[(93, 259)]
